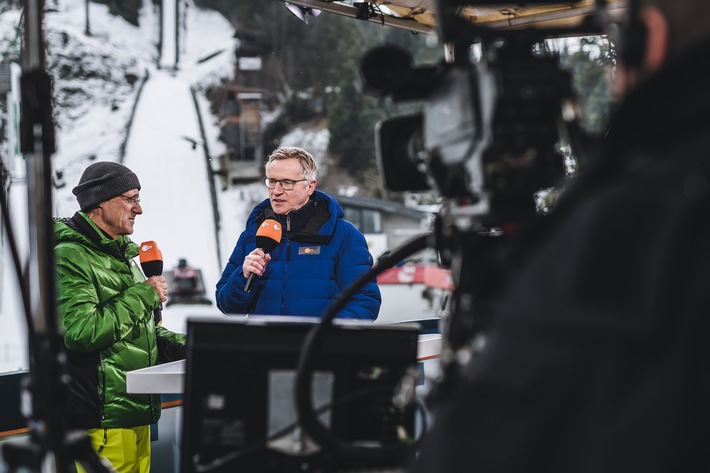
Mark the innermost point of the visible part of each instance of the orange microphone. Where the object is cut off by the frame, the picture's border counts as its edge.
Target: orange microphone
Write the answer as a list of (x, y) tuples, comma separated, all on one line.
[(152, 263), (268, 237)]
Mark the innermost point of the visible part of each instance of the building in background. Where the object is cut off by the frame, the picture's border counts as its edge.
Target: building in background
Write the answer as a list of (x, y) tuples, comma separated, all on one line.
[(385, 224), (240, 130)]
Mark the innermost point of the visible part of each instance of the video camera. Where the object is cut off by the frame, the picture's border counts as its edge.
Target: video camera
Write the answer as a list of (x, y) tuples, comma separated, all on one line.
[(496, 128), (492, 130)]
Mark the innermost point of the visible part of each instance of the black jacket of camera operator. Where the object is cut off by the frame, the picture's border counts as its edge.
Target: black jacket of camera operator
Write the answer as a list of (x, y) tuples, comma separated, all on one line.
[(598, 359)]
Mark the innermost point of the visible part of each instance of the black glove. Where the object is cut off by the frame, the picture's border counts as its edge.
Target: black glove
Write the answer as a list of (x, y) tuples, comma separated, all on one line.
[(170, 351)]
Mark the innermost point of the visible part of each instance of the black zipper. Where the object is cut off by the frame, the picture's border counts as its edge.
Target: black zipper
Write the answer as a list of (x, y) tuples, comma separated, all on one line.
[(102, 394)]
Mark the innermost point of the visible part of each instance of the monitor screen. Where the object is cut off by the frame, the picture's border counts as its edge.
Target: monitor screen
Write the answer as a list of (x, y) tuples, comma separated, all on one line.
[(239, 408)]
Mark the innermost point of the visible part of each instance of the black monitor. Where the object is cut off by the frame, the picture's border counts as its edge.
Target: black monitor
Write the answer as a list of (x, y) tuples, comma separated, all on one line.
[(239, 408)]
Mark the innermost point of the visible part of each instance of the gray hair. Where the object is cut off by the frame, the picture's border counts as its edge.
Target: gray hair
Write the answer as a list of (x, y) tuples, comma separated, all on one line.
[(309, 167)]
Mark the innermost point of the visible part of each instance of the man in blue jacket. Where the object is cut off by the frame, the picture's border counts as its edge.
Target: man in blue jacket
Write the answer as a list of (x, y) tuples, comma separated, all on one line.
[(319, 255)]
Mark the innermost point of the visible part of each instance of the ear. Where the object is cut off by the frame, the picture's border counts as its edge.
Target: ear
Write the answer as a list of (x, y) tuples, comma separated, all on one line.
[(312, 186), (657, 38)]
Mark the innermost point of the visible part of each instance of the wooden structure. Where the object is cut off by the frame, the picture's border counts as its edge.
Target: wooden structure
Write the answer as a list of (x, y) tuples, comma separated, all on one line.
[(420, 15), (240, 130)]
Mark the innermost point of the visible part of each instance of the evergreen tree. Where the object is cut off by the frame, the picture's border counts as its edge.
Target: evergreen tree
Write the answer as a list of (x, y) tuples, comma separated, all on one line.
[(590, 64), (351, 122), (353, 116)]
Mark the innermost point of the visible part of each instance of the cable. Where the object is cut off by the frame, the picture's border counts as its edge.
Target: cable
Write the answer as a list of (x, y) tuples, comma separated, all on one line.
[(314, 342), (231, 457)]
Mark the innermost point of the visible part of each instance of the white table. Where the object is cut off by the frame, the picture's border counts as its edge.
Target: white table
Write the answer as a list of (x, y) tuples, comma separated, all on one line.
[(169, 378)]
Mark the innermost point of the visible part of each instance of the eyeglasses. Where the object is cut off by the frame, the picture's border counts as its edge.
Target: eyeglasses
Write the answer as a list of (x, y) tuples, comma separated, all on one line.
[(286, 184), (131, 200)]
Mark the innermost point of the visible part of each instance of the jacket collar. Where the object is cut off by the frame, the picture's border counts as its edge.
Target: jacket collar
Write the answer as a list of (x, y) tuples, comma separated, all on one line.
[(86, 231), (321, 224)]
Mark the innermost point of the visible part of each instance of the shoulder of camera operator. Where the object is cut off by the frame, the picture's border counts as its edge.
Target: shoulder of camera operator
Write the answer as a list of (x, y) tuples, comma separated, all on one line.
[(608, 316), (326, 254)]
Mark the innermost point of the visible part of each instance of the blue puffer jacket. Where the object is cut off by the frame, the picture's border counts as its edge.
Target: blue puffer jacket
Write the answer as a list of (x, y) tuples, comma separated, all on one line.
[(308, 270)]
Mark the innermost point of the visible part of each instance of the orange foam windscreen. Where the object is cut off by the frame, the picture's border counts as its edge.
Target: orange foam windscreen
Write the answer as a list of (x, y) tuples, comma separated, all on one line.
[(268, 236), (151, 258)]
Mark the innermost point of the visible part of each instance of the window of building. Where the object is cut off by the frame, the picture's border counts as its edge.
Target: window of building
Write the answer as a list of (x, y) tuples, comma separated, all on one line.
[(366, 220)]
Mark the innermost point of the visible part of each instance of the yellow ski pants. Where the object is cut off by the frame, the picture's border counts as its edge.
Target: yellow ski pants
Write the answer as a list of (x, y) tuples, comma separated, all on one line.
[(128, 450)]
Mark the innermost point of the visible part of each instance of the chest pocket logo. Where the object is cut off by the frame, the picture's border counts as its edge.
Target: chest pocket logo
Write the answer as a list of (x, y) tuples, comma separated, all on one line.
[(309, 250)]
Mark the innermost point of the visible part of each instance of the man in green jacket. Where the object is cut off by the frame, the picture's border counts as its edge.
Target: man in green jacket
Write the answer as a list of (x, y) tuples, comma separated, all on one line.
[(106, 314)]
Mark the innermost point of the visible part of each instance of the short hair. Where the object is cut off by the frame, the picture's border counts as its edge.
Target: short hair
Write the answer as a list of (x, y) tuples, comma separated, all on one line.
[(688, 21), (309, 167)]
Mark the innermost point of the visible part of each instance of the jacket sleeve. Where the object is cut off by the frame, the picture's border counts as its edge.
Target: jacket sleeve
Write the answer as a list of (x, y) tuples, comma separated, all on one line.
[(89, 325), (230, 295), (171, 346), (355, 259)]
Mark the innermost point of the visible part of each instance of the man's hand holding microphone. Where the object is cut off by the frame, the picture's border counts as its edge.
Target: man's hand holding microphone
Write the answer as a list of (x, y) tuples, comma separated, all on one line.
[(160, 285), (268, 237), (255, 263)]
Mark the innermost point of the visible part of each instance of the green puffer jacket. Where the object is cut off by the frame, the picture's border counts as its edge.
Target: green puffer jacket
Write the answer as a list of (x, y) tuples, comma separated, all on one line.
[(105, 313)]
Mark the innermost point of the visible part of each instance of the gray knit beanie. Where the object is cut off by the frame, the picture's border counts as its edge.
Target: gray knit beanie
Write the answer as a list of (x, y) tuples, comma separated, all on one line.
[(103, 181)]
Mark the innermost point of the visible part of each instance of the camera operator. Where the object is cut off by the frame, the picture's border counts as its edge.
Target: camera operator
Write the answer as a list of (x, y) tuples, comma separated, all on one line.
[(598, 358)]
